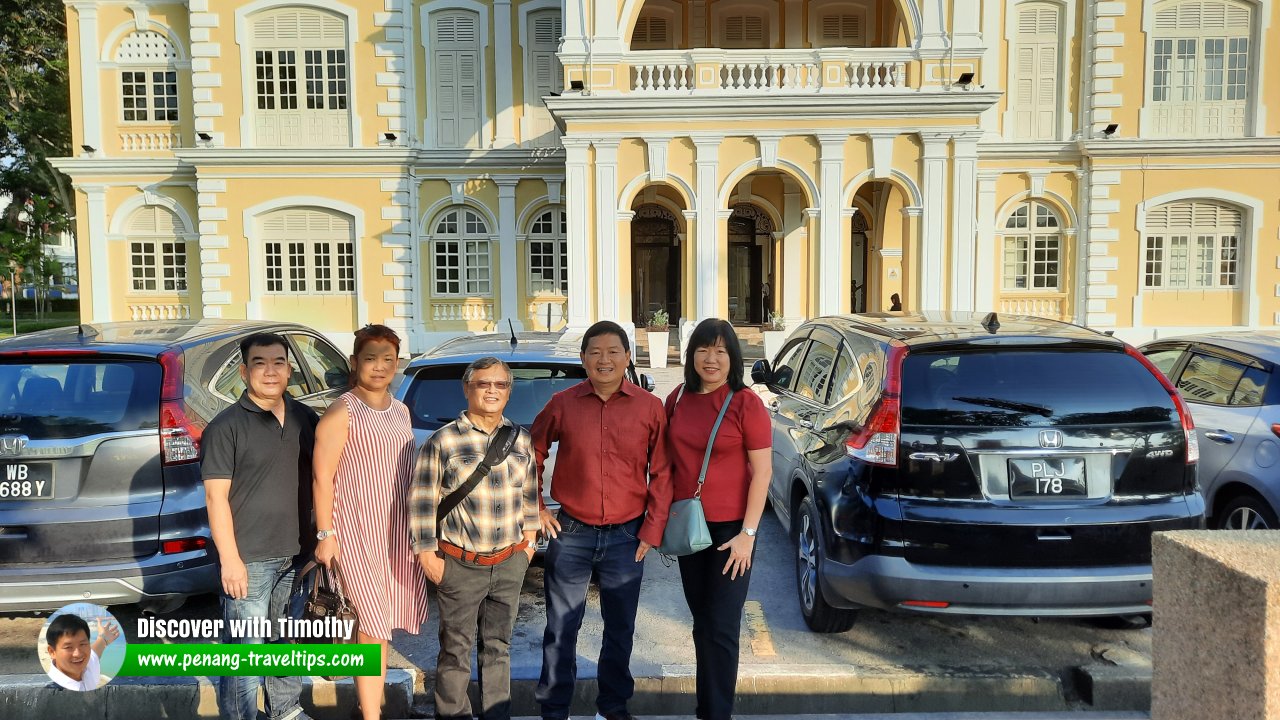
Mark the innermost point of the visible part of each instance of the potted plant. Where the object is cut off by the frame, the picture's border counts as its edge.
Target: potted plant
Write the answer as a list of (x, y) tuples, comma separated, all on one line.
[(658, 334), (775, 334)]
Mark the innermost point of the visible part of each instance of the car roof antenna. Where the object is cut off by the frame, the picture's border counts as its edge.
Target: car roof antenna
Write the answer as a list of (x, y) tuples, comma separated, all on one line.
[(991, 323), (86, 331), (514, 341)]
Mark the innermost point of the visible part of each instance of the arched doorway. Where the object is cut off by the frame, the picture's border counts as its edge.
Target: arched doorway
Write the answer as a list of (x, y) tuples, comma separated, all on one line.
[(859, 245), (750, 242), (655, 263)]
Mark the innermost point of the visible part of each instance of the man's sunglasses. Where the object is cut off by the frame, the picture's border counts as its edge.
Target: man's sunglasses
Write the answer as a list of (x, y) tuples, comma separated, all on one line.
[(492, 384)]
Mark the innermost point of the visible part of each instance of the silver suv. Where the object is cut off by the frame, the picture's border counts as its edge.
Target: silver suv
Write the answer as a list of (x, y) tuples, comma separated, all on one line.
[(100, 492)]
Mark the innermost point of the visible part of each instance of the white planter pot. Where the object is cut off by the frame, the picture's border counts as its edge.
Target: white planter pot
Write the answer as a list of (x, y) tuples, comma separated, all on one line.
[(773, 342), (658, 344)]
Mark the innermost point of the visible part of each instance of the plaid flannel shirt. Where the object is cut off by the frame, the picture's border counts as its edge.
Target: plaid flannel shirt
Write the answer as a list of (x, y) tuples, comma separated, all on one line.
[(495, 514)]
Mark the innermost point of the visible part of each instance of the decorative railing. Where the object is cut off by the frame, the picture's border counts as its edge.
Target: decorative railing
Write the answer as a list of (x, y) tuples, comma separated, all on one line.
[(148, 141), (547, 314), (462, 310), (1052, 306), (160, 312), (753, 71)]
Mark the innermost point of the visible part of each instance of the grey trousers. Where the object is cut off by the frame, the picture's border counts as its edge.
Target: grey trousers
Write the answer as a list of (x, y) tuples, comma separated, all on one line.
[(479, 598)]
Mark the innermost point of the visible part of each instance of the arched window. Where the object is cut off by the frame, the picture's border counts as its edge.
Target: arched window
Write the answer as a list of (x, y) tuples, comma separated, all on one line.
[(1193, 244), (309, 250), (157, 252), (1036, 72), (455, 71), (1200, 68), (460, 254), (148, 79), (548, 253), (1032, 251), (300, 75)]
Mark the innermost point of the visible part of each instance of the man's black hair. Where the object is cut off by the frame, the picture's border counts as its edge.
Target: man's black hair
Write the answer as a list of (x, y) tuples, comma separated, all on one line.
[(705, 335), (604, 327), (66, 624), (261, 339)]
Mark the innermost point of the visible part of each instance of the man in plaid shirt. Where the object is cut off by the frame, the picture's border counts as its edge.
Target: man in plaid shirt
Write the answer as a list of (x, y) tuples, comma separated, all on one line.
[(479, 560)]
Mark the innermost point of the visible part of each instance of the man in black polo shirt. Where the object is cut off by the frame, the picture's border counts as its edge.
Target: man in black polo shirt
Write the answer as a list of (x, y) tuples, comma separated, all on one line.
[(257, 479)]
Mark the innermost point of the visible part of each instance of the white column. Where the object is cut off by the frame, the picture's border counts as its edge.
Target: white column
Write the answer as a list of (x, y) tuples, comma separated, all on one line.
[(833, 269), (575, 27), (90, 78), (986, 276), (793, 268), (99, 262), (577, 210), (932, 33), (933, 231), (964, 184), (605, 40), (508, 265), (966, 26), (606, 235), (707, 256), (504, 133)]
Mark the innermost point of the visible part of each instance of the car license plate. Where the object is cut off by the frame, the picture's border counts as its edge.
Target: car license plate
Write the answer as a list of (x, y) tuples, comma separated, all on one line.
[(26, 481), (1046, 478)]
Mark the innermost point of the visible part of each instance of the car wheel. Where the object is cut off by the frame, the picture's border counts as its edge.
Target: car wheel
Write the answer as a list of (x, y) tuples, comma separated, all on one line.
[(1247, 512), (818, 615)]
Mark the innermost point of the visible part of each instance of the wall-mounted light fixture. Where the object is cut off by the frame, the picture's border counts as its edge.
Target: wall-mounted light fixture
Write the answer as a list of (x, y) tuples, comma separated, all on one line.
[(965, 80), (1110, 130), (576, 85), (204, 137), (89, 149)]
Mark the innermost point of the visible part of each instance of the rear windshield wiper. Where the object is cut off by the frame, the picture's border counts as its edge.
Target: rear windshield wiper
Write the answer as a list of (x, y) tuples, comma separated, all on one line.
[(1006, 405)]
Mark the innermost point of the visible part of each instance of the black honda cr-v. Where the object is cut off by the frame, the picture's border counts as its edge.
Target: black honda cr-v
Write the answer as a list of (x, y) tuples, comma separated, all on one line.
[(969, 463)]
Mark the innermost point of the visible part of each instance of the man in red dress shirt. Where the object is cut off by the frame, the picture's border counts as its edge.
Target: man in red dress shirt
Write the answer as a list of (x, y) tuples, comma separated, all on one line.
[(611, 467)]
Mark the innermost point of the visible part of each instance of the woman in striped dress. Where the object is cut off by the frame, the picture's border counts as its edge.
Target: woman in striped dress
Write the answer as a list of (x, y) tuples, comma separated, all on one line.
[(363, 464)]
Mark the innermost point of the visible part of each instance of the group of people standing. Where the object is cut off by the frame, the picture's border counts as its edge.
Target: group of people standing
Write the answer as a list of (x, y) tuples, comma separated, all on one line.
[(466, 515)]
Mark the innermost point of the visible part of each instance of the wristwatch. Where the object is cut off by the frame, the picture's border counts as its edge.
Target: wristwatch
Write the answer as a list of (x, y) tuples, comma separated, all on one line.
[(749, 532), (325, 534)]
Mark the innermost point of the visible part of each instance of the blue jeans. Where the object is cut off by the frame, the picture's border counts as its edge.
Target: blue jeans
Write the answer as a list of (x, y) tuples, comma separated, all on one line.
[(271, 596), (569, 562)]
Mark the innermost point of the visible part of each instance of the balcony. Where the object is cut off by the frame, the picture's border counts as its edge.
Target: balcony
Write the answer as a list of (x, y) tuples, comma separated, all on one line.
[(150, 139), (160, 311), (795, 71), (1053, 306)]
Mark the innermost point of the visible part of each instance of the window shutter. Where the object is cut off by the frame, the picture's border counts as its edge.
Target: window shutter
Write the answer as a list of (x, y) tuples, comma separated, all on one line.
[(146, 47), (744, 32), (1035, 101), (153, 220), (841, 30), (456, 75), (1198, 15)]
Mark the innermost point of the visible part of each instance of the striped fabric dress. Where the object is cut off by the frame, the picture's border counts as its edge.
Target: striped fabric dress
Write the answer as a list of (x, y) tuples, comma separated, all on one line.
[(371, 515)]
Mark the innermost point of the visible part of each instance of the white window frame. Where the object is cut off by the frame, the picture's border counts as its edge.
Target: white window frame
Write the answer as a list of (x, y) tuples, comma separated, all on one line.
[(244, 21), (153, 247), (313, 255), (166, 57), (1254, 108), (819, 10), (429, 134), (473, 254), (155, 240), (559, 238), (1066, 35), (1193, 256), (1025, 240)]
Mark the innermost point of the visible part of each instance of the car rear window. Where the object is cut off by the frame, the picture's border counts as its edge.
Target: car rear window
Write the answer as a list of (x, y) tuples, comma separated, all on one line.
[(1030, 388), (61, 399), (435, 394)]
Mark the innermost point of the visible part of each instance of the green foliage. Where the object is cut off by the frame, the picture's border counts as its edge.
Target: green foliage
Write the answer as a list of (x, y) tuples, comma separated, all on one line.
[(775, 322), (659, 320)]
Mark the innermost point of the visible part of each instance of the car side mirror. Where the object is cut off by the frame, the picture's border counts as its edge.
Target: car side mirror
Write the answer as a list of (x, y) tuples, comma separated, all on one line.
[(761, 373), (336, 378), (647, 382)]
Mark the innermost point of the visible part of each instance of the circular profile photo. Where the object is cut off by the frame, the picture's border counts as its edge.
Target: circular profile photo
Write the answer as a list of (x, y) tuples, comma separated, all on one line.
[(81, 646)]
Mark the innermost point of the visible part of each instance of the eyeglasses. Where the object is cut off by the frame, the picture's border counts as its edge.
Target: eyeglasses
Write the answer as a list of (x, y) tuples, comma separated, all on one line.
[(492, 384)]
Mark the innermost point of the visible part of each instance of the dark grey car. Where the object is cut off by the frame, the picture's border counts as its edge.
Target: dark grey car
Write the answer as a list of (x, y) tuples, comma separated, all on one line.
[(100, 492)]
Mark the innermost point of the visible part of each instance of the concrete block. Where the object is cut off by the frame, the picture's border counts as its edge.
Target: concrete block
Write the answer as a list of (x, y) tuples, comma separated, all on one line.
[(1218, 590), (1115, 687)]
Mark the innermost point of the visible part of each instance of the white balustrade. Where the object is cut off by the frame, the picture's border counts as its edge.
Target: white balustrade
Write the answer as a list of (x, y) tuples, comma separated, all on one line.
[(659, 77), (875, 75), (160, 312), (1035, 306), (461, 311), (149, 141), (754, 71)]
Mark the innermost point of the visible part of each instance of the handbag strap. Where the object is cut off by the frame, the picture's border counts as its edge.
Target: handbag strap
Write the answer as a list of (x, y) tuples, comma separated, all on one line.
[(499, 447), (706, 458), (327, 576)]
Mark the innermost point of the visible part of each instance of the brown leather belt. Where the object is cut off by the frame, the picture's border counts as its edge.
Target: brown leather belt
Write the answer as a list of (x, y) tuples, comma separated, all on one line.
[(489, 558)]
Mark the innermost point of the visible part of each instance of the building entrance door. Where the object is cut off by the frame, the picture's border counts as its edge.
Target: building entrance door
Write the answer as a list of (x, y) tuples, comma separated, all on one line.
[(655, 264), (750, 232)]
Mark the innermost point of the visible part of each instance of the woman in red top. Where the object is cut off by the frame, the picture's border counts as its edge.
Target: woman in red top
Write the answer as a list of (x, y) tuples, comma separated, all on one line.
[(733, 495)]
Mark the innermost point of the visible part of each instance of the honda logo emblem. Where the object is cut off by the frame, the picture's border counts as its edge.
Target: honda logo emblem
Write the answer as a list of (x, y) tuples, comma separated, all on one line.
[(13, 445), (1050, 439)]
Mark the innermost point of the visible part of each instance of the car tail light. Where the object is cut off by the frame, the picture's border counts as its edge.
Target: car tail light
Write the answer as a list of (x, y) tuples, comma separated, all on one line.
[(1184, 412), (174, 547), (876, 442), (1275, 430), (179, 434)]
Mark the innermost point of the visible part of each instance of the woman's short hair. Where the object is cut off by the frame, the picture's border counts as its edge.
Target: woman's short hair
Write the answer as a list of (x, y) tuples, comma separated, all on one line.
[(706, 334), (375, 333)]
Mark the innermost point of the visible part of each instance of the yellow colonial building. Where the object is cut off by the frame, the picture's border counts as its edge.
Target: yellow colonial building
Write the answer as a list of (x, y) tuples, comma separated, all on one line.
[(451, 165)]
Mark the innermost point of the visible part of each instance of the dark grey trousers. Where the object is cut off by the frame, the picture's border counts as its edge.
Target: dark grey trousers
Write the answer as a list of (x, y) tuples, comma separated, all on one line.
[(483, 599)]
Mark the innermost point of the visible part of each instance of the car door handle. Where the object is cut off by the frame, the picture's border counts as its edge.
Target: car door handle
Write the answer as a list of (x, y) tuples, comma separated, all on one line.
[(1221, 436)]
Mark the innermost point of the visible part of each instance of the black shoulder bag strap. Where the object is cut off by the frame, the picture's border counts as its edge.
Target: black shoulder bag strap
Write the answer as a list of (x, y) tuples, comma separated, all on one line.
[(499, 447)]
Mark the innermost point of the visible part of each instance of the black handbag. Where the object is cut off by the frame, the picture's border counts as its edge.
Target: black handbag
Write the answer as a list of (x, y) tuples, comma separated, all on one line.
[(327, 600)]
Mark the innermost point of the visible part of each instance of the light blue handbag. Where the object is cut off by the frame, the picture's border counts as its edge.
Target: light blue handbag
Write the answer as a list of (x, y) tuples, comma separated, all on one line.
[(687, 531)]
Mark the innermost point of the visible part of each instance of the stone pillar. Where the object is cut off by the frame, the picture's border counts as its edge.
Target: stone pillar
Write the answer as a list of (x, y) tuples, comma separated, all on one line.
[(1216, 649), (707, 268), (964, 186), (791, 278), (911, 274), (933, 274), (508, 265), (90, 83), (833, 266), (606, 230), (986, 278), (99, 269), (504, 132), (577, 210)]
